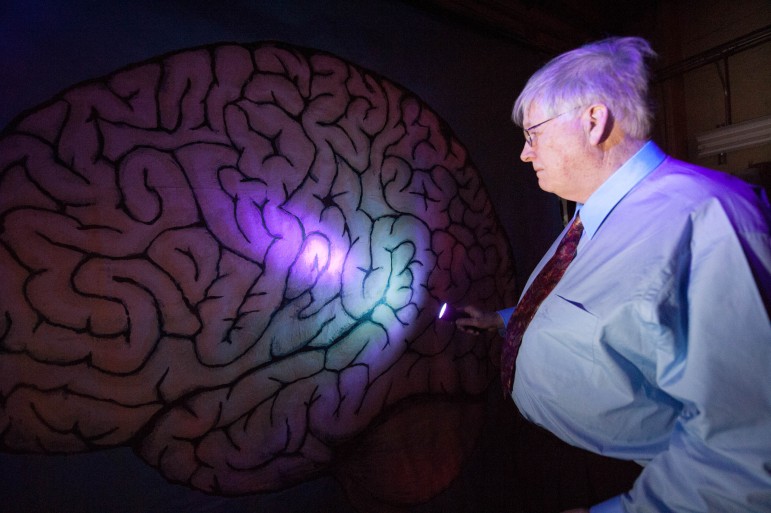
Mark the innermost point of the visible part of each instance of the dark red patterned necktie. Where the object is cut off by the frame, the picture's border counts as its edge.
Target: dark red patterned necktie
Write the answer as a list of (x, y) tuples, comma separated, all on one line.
[(540, 288)]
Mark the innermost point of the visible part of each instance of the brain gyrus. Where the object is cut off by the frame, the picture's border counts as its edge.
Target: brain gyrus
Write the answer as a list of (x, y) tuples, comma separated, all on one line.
[(231, 259)]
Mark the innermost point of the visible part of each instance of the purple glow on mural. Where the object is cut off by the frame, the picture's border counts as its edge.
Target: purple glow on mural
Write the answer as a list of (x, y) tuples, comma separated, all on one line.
[(231, 259)]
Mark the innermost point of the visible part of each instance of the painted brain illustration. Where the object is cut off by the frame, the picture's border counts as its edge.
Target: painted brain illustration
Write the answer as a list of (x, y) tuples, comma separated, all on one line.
[(231, 258)]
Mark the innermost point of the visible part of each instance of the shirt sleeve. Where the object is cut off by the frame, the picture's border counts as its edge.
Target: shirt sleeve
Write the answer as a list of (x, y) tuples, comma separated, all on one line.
[(505, 314), (713, 352), (612, 505)]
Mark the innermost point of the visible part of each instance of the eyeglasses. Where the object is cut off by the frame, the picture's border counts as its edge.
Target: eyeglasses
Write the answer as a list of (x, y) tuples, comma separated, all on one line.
[(529, 135)]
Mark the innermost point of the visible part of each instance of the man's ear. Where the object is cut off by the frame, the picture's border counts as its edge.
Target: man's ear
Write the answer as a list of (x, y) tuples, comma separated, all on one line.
[(597, 123)]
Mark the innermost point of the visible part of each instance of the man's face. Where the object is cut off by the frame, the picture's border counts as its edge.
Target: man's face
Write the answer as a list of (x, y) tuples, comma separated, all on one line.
[(556, 152)]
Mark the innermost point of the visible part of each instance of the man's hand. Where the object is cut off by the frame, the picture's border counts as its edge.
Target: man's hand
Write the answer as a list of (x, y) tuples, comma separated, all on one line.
[(479, 321)]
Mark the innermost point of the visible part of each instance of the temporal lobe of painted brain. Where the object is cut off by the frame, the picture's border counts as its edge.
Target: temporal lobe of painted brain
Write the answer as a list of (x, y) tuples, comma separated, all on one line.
[(231, 258)]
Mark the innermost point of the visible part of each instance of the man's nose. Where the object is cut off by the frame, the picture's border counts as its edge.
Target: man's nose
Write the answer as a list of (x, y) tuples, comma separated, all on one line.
[(527, 153)]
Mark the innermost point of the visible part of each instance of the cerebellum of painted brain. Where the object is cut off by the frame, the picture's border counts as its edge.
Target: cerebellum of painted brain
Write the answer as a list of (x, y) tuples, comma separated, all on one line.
[(232, 258)]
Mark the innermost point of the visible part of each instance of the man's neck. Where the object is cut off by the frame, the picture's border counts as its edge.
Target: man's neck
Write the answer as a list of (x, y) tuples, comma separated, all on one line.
[(608, 158)]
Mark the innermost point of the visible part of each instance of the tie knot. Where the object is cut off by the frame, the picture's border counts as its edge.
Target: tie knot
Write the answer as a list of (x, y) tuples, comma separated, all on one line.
[(576, 225), (570, 240)]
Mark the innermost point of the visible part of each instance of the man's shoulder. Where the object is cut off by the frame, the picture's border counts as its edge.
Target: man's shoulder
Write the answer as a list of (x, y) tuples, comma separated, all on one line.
[(701, 179), (691, 186)]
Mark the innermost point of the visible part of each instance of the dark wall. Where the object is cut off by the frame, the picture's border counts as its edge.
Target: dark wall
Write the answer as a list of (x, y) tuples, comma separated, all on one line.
[(469, 78)]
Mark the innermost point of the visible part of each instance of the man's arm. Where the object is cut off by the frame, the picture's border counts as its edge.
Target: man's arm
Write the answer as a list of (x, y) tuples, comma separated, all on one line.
[(714, 356)]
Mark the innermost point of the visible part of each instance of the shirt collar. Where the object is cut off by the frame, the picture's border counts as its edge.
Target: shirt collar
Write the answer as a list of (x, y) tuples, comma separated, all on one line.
[(623, 180)]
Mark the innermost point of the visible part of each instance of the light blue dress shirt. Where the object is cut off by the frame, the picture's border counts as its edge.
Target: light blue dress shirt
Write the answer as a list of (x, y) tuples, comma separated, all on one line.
[(655, 345)]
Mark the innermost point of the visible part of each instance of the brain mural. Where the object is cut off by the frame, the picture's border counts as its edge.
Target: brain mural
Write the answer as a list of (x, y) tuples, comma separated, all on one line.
[(231, 259)]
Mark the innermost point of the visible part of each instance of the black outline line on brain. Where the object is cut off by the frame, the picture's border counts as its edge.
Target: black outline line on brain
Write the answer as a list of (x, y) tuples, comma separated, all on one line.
[(231, 259)]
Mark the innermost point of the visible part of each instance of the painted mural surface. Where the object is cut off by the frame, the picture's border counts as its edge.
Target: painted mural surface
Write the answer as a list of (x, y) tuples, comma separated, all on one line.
[(231, 259)]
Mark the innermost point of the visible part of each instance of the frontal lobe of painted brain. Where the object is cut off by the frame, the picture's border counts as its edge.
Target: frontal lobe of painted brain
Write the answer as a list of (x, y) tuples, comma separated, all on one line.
[(232, 258)]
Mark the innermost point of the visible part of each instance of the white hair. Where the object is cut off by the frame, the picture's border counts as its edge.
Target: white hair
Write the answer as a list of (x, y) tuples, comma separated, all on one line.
[(612, 71)]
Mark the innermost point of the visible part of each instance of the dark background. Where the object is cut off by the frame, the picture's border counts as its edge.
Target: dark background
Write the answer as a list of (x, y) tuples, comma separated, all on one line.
[(468, 74), (466, 59)]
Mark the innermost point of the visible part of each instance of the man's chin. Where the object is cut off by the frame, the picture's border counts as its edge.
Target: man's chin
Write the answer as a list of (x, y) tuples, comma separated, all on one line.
[(544, 185)]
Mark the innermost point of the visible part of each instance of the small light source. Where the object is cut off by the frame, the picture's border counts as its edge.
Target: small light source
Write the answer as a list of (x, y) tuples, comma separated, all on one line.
[(450, 314)]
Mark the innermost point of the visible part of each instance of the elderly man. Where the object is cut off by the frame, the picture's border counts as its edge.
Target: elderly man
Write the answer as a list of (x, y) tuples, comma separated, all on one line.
[(644, 335)]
